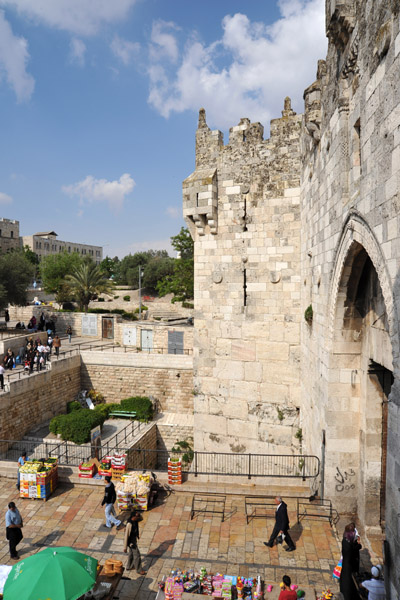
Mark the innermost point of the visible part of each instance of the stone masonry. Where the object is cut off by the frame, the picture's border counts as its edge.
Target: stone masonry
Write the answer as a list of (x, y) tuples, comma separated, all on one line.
[(307, 223), (242, 207), (9, 234)]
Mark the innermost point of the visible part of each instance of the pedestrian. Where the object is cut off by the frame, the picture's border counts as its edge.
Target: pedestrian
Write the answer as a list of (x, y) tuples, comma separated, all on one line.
[(281, 526), (6, 316), (57, 345), (20, 462), (8, 360), (69, 333), (286, 592), (13, 529), (376, 585), (50, 342), (2, 371), (350, 553), (109, 498), (130, 541)]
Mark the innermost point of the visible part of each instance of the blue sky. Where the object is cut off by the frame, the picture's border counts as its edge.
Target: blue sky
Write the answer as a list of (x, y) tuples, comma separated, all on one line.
[(99, 102)]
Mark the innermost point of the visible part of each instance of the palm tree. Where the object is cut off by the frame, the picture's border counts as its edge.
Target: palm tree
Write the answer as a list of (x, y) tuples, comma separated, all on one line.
[(86, 283)]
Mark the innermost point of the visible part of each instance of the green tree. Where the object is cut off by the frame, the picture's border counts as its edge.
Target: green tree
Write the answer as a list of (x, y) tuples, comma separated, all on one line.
[(129, 269), (54, 269), (86, 282), (181, 282), (16, 273), (110, 267), (157, 269)]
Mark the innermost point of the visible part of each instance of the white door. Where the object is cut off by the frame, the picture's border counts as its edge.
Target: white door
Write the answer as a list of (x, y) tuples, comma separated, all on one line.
[(89, 325), (146, 339), (129, 336)]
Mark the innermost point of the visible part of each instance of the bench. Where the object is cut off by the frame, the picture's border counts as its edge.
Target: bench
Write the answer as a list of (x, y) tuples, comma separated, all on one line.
[(123, 414), (317, 509), (208, 503), (257, 507)]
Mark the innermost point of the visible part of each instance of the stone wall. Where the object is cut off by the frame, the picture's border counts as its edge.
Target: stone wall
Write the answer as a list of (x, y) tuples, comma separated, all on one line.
[(148, 441), (9, 234), (36, 398), (168, 378), (242, 205), (168, 435)]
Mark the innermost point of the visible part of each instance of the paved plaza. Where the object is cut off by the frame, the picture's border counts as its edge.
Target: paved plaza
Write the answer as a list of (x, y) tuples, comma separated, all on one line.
[(73, 516)]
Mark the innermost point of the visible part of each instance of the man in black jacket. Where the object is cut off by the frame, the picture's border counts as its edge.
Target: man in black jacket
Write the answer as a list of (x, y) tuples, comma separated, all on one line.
[(281, 526), (109, 498)]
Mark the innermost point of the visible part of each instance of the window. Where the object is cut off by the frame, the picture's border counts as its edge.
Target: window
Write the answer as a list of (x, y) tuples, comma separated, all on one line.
[(0, 232), (40, 245), (69, 248), (12, 234), (97, 252), (37, 244)]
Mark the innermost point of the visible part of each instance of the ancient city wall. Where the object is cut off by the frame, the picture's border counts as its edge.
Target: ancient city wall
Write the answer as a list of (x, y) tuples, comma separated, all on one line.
[(350, 265), (168, 378), (242, 207), (36, 398)]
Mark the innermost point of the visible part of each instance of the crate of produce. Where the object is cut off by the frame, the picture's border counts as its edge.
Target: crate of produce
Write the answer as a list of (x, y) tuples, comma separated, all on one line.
[(87, 470)]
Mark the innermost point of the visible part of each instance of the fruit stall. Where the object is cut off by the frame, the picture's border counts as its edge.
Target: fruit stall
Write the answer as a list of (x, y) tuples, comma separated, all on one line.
[(38, 478)]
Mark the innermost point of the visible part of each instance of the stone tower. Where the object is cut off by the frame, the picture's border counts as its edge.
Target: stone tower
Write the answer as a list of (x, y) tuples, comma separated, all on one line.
[(241, 205)]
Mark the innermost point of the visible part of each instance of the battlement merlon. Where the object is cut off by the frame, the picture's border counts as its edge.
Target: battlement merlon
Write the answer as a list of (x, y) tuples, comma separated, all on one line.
[(278, 155)]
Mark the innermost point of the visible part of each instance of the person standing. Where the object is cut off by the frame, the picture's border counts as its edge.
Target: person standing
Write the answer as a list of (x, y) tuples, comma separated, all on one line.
[(57, 345), (2, 371), (376, 585), (69, 333), (6, 316), (350, 553), (281, 525), (286, 592), (13, 529), (109, 498), (20, 463), (130, 541)]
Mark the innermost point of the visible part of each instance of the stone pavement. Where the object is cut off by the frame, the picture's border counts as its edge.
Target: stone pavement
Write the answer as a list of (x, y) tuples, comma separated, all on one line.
[(74, 517)]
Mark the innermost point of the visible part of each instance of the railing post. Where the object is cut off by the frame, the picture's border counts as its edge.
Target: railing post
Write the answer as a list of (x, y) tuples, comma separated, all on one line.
[(144, 459), (66, 453), (249, 476), (47, 452), (195, 463)]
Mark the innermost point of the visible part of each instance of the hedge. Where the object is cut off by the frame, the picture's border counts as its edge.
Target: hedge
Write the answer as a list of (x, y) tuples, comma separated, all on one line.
[(141, 405), (76, 426), (74, 405), (126, 298)]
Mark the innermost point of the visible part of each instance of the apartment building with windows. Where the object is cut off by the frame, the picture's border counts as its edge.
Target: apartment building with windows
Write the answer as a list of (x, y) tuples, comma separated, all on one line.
[(45, 243), (9, 234)]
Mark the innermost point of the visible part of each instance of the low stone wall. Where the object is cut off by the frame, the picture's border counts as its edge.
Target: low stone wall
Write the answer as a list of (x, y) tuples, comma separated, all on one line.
[(16, 342), (168, 378), (148, 441), (36, 398), (168, 435)]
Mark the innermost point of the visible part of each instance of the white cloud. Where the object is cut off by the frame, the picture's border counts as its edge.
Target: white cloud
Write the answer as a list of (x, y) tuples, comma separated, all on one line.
[(77, 52), (5, 198), (13, 60), (164, 45), (173, 212), (79, 17), (261, 65), (94, 190), (121, 251), (124, 50)]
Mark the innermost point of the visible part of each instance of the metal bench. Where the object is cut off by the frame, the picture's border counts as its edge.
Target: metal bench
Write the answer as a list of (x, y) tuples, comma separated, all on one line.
[(208, 503), (257, 507), (317, 509), (123, 414)]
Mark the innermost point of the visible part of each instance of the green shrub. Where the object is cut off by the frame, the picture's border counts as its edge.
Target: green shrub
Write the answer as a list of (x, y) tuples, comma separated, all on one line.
[(96, 397), (118, 311), (74, 405), (105, 409), (76, 426), (309, 314), (99, 311), (126, 298), (129, 316), (143, 308), (116, 297), (100, 299), (141, 405), (187, 305)]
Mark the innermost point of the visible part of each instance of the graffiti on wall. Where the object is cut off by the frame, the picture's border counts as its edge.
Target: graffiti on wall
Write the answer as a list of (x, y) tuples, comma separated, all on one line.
[(344, 480)]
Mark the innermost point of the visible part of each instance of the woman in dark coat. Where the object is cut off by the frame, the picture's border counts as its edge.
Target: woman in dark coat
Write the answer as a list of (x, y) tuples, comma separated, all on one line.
[(350, 558)]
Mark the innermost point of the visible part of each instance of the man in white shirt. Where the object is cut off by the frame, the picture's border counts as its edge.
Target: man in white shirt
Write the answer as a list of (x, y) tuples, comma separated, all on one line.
[(376, 585), (2, 371)]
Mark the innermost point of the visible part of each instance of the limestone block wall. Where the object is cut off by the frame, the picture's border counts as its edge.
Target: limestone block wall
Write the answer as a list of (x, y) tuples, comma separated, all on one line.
[(16, 342), (350, 209), (34, 399), (148, 441), (247, 286), (168, 378), (168, 435), (9, 234), (129, 334)]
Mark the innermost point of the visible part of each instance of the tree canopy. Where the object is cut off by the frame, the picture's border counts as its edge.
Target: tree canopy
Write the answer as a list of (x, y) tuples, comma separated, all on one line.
[(181, 282), (86, 282), (54, 270), (16, 273), (129, 266)]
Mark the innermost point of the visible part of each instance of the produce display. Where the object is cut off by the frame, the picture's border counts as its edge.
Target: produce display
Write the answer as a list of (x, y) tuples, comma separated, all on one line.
[(38, 478), (174, 471), (87, 470), (133, 491), (105, 466), (218, 585)]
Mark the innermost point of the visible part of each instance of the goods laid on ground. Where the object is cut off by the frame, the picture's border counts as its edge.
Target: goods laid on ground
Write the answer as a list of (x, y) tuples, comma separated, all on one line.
[(112, 567), (133, 491), (174, 471), (87, 470), (38, 478), (218, 586)]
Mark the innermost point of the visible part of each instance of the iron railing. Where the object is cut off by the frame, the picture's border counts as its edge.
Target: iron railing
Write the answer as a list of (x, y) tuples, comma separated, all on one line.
[(203, 463)]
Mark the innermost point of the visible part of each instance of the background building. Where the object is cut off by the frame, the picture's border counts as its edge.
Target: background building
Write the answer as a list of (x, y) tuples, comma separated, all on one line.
[(9, 234), (45, 243)]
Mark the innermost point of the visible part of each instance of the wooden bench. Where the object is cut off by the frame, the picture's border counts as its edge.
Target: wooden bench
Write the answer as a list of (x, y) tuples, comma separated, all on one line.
[(123, 414)]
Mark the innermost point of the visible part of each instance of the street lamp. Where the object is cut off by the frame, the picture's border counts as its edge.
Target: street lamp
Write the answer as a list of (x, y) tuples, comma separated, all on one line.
[(141, 273)]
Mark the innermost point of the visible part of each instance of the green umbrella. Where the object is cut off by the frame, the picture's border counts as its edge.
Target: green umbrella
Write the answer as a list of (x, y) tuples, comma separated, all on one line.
[(53, 574)]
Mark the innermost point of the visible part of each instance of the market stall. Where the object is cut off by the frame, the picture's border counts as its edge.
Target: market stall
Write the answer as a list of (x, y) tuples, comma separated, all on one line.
[(133, 491), (38, 478)]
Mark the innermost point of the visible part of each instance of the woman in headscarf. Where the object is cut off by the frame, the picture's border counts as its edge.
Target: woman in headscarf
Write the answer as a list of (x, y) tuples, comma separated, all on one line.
[(350, 559)]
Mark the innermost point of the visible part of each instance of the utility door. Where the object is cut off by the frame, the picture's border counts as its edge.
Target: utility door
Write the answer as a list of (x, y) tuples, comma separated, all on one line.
[(129, 336), (175, 342), (107, 328), (89, 325), (146, 340)]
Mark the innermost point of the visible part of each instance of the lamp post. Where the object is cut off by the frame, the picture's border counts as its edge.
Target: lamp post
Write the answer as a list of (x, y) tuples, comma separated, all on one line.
[(140, 291)]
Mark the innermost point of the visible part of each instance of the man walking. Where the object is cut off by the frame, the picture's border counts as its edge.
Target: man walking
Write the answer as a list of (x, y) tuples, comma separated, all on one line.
[(109, 498), (2, 371), (57, 345), (13, 529), (130, 540), (281, 525)]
